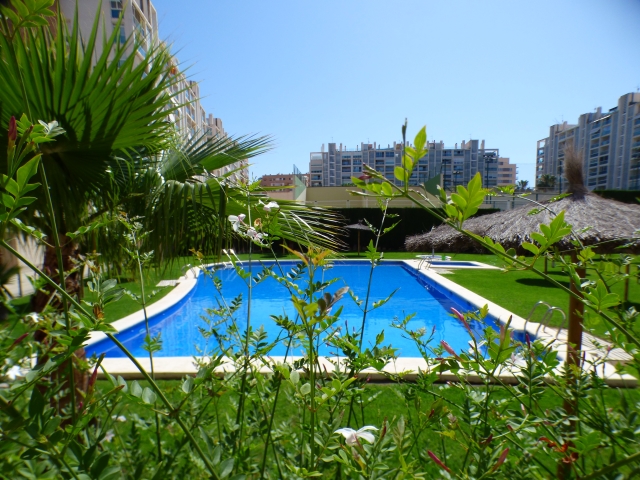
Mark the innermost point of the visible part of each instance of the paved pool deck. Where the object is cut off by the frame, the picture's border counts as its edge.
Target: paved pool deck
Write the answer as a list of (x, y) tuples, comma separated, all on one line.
[(409, 367)]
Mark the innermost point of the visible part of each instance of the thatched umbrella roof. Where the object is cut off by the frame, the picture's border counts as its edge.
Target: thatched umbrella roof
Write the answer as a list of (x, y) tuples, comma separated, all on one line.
[(607, 220)]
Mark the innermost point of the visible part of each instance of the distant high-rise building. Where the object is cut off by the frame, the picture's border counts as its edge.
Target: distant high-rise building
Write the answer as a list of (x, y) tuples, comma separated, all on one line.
[(609, 144), (457, 164)]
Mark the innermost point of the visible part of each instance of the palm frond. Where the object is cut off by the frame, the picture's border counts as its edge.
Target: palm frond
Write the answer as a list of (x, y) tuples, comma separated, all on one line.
[(199, 155), (105, 100)]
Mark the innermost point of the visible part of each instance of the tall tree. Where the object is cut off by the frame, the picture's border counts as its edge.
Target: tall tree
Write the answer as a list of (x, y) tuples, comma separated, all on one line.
[(546, 182), (522, 185), (119, 149)]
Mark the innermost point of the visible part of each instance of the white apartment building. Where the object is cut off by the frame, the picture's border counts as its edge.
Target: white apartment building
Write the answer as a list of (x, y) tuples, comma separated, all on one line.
[(139, 17), (608, 142), (456, 165)]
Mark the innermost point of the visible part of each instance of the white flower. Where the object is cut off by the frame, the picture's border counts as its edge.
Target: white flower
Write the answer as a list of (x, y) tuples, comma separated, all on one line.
[(271, 206), (109, 436), (253, 234), (352, 436), (236, 220), (119, 418)]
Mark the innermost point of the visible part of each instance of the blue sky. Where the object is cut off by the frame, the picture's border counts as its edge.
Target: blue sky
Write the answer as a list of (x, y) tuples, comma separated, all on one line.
[(350, 71)]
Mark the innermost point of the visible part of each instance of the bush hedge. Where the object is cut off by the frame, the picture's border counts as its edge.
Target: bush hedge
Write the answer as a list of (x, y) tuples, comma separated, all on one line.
[(624, 196), (412, 221)]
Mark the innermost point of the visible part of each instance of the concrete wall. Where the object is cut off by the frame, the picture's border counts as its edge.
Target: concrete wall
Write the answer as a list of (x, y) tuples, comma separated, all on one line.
[(339, 197)]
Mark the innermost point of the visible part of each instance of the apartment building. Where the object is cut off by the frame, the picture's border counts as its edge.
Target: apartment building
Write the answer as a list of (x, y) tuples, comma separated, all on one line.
[(283, 180), (139, 17), (609, 143), (456, 165), (507, 172)]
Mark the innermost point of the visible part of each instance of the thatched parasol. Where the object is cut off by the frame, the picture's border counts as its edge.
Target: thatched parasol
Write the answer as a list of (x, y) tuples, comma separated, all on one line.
[(609, 223), (359, 227), (609, 220)]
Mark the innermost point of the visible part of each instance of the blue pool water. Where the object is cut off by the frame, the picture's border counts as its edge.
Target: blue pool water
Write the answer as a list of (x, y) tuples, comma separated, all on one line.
[(416, 293)]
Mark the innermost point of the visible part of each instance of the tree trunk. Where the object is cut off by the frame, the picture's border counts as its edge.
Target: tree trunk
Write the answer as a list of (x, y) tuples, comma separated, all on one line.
[(46, 296)]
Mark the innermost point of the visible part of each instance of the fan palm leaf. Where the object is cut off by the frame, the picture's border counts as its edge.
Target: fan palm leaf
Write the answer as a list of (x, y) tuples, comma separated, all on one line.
[(110, 106), (184, 206)]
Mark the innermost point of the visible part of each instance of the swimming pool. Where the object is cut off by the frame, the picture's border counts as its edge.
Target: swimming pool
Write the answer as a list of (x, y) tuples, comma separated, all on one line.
[(180, 324)]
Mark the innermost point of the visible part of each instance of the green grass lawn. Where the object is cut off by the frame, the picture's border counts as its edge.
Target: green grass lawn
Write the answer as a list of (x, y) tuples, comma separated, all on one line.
[(519, 291), (127, 305)]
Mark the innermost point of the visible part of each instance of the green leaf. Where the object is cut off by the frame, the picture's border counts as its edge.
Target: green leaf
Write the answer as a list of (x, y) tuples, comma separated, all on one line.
[(123, 383), (451, 211), (459, 201), (108, 284), (136, 389), (400, 173), (601, 298), (305, 389), (187, 385), (8, 201), (26, 171), (12, 187), (539, 238), (420, 139), (36, 404), (22, 9), (148, 395), (387, 189), (226, 468), (531, 248), (24, 201), (409, 159)]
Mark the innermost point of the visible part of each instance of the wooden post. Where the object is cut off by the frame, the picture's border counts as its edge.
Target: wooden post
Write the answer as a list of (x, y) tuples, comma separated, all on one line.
[(576, 314), (574, 350)]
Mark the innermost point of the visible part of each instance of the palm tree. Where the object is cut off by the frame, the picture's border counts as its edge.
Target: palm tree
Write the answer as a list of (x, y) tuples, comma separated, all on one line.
[(118, 150), (546, 182), (184, 206), (522, 185)]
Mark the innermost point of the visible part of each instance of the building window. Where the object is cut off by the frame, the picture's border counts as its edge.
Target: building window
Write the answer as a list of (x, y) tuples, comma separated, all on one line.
[(389, 154), (379, 154), (116, 8)]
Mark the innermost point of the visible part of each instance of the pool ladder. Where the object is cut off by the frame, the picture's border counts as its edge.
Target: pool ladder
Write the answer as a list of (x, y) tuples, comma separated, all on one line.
[(546, 317)]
